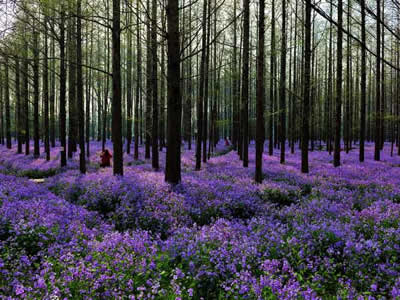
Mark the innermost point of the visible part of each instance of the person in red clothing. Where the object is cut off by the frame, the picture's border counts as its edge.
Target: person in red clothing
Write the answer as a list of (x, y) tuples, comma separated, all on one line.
[(227, 143), (105, 159)]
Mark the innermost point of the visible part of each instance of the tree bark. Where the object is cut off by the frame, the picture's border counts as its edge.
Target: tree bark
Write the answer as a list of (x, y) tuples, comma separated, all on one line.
[(80, 104), (200, 133), (260, 130), (63, 77), (306, 89), (53, 98), (173, 159), (338, 113), (378, 83), (36, 137), (46, 94), (116, 82), (272, 84), (363, 82), (18, 104), (154, 129), (25, 92), (282, 86), (129, 96), (1, 109), (7, 105), (149, 90), (235, 87), (138, 85), (245, 82), (72, 83)]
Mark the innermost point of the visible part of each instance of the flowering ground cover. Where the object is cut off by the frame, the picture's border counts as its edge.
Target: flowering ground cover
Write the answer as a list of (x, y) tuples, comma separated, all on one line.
[(331, 234)]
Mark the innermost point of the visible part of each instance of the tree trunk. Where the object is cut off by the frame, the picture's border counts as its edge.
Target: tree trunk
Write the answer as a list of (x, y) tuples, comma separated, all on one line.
[(272, 83), (106, 90), (89, 95), (53, 98), (46, 94), (129, 95), (200, 100), (99, 105), (162, 96), (18, 104), (79, 92), (36, 137), (378, 83), (282, 87), (154, 129), (245, 82), (149, 91), (1, 109), (63, 77), (338, 113), (116, 99), (7, 105), (25, 92), (306, 89), (138, 85), (363, 81), (235, 88), (173, 159), (206, 87), (72, 110), (260, 93)]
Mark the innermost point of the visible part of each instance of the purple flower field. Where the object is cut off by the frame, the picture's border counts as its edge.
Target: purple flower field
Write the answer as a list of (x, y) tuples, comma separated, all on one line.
[(331, 234)]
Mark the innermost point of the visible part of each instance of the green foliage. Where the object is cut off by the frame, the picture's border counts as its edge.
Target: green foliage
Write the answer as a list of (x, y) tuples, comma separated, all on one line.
[(37, 174), (223, 152), (136, 162), (279, 197)]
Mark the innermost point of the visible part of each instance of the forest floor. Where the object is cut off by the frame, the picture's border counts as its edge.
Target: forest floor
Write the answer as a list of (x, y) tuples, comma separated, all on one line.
[(332, 233)]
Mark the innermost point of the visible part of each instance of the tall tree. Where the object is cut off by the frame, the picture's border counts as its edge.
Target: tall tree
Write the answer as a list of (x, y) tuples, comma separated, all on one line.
[(206, 83), (378, 83), (154, 129), (62, 101), (106, 85), (72, 83), (338, 113), (163, 98), (138, 83), (25, 93), (116, 96), (149, 86), (271, 83), (330, 86), (200, 100), (282, 86), (1, 109), (7, 103), (53, 97), (260, 130), (383, 92), (18, 104), (245, 82), (129, 96), (174, 110), (79, 91), (89, 96), (46, 93), (363, 82), (235, 83), (36, 87), (306, 89)]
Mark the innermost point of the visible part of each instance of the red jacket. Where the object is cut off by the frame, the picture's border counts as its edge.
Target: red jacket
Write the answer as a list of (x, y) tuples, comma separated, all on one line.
[(105, 158)]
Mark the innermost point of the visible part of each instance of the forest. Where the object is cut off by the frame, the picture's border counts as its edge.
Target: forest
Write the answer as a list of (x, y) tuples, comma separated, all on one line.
[(199, 149)]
